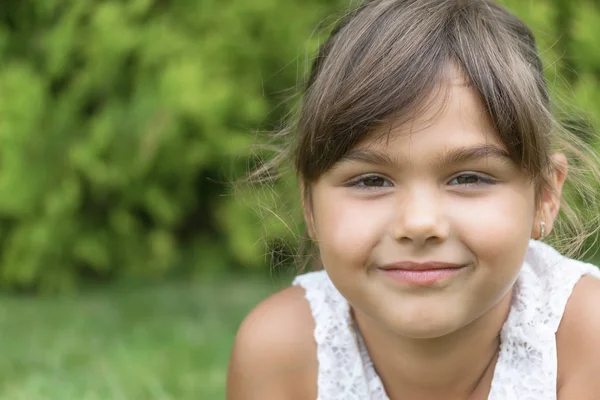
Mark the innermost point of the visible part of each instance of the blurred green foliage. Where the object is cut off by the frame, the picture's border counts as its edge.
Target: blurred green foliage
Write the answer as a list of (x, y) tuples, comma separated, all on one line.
[(123, 121)]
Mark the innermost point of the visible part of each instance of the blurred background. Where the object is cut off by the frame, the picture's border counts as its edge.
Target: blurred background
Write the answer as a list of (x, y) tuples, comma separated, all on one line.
[(127, 257)]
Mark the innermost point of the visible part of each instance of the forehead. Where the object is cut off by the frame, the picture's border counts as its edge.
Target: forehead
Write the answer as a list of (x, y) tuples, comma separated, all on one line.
[(453, 117)]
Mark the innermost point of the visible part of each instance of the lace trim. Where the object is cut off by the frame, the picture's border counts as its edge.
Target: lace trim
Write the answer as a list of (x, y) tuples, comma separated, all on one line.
[(341, 372), (526, 368)]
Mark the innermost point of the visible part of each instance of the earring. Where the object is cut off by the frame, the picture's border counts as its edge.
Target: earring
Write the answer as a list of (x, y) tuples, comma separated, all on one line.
[(542, 230)]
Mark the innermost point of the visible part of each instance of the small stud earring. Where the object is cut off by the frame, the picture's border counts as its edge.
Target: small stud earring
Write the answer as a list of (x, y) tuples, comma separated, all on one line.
[(542, 230)]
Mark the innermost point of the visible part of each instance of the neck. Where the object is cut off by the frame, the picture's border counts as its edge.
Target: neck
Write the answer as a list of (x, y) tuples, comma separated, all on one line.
[(458, 366)]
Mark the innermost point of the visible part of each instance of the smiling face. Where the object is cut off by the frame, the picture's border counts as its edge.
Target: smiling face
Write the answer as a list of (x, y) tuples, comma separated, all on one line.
[(440, 190)]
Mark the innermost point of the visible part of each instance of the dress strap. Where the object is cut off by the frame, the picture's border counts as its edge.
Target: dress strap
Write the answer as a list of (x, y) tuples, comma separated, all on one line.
[(341, 371), (527, 364)]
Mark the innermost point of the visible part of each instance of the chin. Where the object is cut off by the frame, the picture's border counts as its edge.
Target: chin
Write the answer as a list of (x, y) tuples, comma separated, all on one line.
[(425, 332), (425, 325)]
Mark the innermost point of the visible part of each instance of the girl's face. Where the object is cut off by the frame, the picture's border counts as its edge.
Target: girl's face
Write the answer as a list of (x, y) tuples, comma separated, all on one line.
[(444, 193)]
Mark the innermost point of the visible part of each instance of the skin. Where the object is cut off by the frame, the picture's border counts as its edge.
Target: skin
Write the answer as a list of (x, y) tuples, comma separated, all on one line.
[(402, 198), (415, 209)]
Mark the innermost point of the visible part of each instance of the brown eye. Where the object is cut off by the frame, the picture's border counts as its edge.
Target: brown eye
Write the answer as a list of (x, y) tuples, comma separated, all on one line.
[(472, 180), (466, 179), (372, 181)]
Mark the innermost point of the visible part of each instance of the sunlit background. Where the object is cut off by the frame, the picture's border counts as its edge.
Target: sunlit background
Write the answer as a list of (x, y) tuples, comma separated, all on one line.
[(127, 256)]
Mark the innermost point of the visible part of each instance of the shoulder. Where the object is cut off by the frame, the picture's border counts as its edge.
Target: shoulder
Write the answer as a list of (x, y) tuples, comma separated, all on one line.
[(578, 342), (274, 355)]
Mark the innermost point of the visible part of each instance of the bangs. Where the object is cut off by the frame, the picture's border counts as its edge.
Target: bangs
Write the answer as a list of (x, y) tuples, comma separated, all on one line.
[(388, 61)]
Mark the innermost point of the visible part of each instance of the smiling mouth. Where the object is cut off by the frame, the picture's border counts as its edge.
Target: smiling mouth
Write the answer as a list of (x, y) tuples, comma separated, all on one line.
[(421, 274), (421, 266)]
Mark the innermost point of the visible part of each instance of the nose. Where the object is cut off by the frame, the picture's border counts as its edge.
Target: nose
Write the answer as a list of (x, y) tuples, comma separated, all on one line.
[(420, 217)]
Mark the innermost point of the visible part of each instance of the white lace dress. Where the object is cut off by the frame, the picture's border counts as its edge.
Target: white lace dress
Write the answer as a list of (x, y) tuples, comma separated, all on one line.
[(527, 364)]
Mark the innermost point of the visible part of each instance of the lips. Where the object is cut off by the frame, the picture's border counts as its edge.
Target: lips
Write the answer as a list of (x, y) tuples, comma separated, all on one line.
[(422, 274), (423, 266)]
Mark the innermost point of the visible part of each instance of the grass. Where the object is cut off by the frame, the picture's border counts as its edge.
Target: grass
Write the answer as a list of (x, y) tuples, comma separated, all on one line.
[(127, 342), (169, 341)]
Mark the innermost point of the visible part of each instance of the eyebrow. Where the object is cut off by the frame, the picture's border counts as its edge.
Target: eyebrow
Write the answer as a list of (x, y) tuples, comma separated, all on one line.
[(453, 156)]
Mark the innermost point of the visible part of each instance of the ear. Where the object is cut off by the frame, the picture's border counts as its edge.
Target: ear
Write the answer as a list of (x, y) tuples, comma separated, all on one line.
[(551, 197), (307, 210)]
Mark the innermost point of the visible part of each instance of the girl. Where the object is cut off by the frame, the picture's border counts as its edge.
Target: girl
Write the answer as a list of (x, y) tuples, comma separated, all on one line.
[(431, 170)]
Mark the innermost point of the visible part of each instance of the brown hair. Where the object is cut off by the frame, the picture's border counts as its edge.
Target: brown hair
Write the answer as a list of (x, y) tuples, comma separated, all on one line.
[(384, 60)]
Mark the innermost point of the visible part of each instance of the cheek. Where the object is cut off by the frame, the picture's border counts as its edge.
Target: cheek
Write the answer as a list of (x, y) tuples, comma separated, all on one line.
[(348, 228), (498, 227)]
